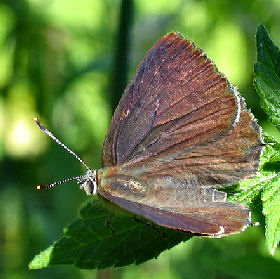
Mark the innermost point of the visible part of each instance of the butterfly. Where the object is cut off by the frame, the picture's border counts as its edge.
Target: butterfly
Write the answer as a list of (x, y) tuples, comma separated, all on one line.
[(180, 133)]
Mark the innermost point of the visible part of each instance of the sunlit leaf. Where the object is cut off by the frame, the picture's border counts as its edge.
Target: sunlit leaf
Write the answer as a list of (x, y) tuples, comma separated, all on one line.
[(267, 75), (267, 83), (271, 206)]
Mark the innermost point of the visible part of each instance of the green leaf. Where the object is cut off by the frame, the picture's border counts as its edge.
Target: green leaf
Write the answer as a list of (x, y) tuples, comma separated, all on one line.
[(266, 185), (250, 189), (267, 83), (102, 238), (271, 154), (41, 260), (267, 75), (271, 206), (271, 193)]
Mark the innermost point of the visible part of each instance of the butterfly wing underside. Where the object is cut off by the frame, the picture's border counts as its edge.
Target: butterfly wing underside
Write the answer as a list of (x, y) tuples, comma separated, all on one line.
[(180, 131)]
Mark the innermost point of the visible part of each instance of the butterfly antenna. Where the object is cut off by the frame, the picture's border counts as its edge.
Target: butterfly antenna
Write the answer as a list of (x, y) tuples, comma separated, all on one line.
[(39, 187), (50, 134)]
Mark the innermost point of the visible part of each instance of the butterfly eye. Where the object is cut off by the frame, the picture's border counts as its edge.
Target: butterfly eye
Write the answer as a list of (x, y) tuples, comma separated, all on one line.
[(89, 186), (88, 182)]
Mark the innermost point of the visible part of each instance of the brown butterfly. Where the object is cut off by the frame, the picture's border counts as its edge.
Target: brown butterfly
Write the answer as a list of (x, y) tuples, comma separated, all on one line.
[(179, 133)]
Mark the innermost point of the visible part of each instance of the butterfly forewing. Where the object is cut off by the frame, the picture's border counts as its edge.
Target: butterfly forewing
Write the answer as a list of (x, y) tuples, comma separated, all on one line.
[(175, 97)]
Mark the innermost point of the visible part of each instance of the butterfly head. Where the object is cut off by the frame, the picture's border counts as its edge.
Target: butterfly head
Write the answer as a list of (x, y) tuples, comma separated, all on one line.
[(88, 182)]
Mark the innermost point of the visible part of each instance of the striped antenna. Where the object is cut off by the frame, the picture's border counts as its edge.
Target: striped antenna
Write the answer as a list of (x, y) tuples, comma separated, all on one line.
[(86, 181), (50, 134), (39, 187)]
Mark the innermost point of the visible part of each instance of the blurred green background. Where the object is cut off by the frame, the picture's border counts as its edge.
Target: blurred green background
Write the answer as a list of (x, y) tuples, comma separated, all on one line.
[(67, 63)]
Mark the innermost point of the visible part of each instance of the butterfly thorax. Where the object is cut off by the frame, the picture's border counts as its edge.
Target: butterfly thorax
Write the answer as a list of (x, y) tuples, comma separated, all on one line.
[(117, 182)]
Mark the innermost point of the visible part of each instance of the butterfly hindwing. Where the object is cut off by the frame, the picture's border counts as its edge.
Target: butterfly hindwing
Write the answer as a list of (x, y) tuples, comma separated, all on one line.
[(213, 219)]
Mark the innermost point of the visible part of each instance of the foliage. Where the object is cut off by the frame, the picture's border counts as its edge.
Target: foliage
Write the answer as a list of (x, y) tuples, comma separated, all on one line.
[(267, 83), (267, 75)]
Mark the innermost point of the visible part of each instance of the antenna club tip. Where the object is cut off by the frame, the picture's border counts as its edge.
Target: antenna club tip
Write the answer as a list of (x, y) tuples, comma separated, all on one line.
[(38, 187), (36, 120)]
